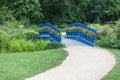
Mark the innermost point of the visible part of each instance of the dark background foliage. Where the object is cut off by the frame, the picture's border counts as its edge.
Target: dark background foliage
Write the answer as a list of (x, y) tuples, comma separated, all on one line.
[(61, 11)]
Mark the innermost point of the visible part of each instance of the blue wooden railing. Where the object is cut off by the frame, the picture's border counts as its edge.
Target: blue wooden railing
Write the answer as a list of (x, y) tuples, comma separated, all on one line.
[(82, 33), (46, 35)]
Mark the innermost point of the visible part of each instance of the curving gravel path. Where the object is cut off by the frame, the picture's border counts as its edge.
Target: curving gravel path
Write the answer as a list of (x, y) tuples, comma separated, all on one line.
[(83, 63)]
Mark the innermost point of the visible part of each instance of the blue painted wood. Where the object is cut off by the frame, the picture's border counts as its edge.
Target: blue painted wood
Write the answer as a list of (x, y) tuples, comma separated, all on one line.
[(51, 26), (45, 35), (79, 36)]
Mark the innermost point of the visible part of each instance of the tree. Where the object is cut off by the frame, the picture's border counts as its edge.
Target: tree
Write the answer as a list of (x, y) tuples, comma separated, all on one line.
[(54, 10), (30, 9)]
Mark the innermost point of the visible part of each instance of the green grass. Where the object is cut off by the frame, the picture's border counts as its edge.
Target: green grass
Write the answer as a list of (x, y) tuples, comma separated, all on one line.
[(18, 66), (115, 73)]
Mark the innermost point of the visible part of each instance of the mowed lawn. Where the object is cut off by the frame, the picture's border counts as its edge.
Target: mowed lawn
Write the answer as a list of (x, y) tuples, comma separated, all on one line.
[(18, 66), (115, 73)]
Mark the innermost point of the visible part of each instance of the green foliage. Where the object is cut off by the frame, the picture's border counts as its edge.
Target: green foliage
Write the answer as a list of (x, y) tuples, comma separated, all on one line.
[(4, 39), (14, 46), (54, 45), (29, 46), (117, 26), (23, 45), (116, 44), (12, 24), (25, 21), (55, 10), (40, 45), (16, 36), (63, 26), (60, 11), (5, 14), (108, 35), (103, 30), (30, 34), (27, 9), (104, 42)]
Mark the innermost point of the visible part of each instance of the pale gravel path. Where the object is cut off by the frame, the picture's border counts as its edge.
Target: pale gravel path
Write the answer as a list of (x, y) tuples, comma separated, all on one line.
[(83, 63)]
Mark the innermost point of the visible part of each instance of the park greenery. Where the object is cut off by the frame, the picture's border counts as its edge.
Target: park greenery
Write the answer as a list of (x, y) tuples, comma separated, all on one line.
[(19, 20), (60, 11)]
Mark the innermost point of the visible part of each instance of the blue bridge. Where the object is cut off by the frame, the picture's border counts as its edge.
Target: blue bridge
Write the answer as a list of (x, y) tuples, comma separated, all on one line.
[(76, 31), (50, 32)]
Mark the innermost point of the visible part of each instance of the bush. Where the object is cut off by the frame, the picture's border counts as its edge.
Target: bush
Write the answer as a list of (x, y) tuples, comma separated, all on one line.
[(14, 46), (4, 40), (103, 30), (29, 46), (31, 34), (25, 22), (40, 45), (12, 24), (17, 36), (54, 45), (23, 45), (105, 42), (5, 14), (117, 29), (34, 27), (116, 44)]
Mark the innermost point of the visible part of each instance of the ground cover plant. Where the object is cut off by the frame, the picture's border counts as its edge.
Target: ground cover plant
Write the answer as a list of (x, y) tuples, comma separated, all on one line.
[(18, 66)]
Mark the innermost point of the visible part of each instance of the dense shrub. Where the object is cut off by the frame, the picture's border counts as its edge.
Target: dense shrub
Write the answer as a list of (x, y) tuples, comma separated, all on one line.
[(16, 36), (25, 22), (13, 24), (116, 44), (117, 29), (27, 9), (31, 34), (5, 14), (102, 30), (14, 46), (23, 45), (105, 42), (4, 39), (108, 35), (40, 45), (29, 46), (54, 45)]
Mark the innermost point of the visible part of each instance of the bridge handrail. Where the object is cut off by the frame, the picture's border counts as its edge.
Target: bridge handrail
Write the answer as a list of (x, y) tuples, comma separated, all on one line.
[(57, 38), (51, 26), (90, 40), (82, 25)]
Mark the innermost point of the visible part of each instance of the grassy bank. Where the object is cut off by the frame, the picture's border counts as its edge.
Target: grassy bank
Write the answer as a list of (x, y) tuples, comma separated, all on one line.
[(18, 66), (115, 73)]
